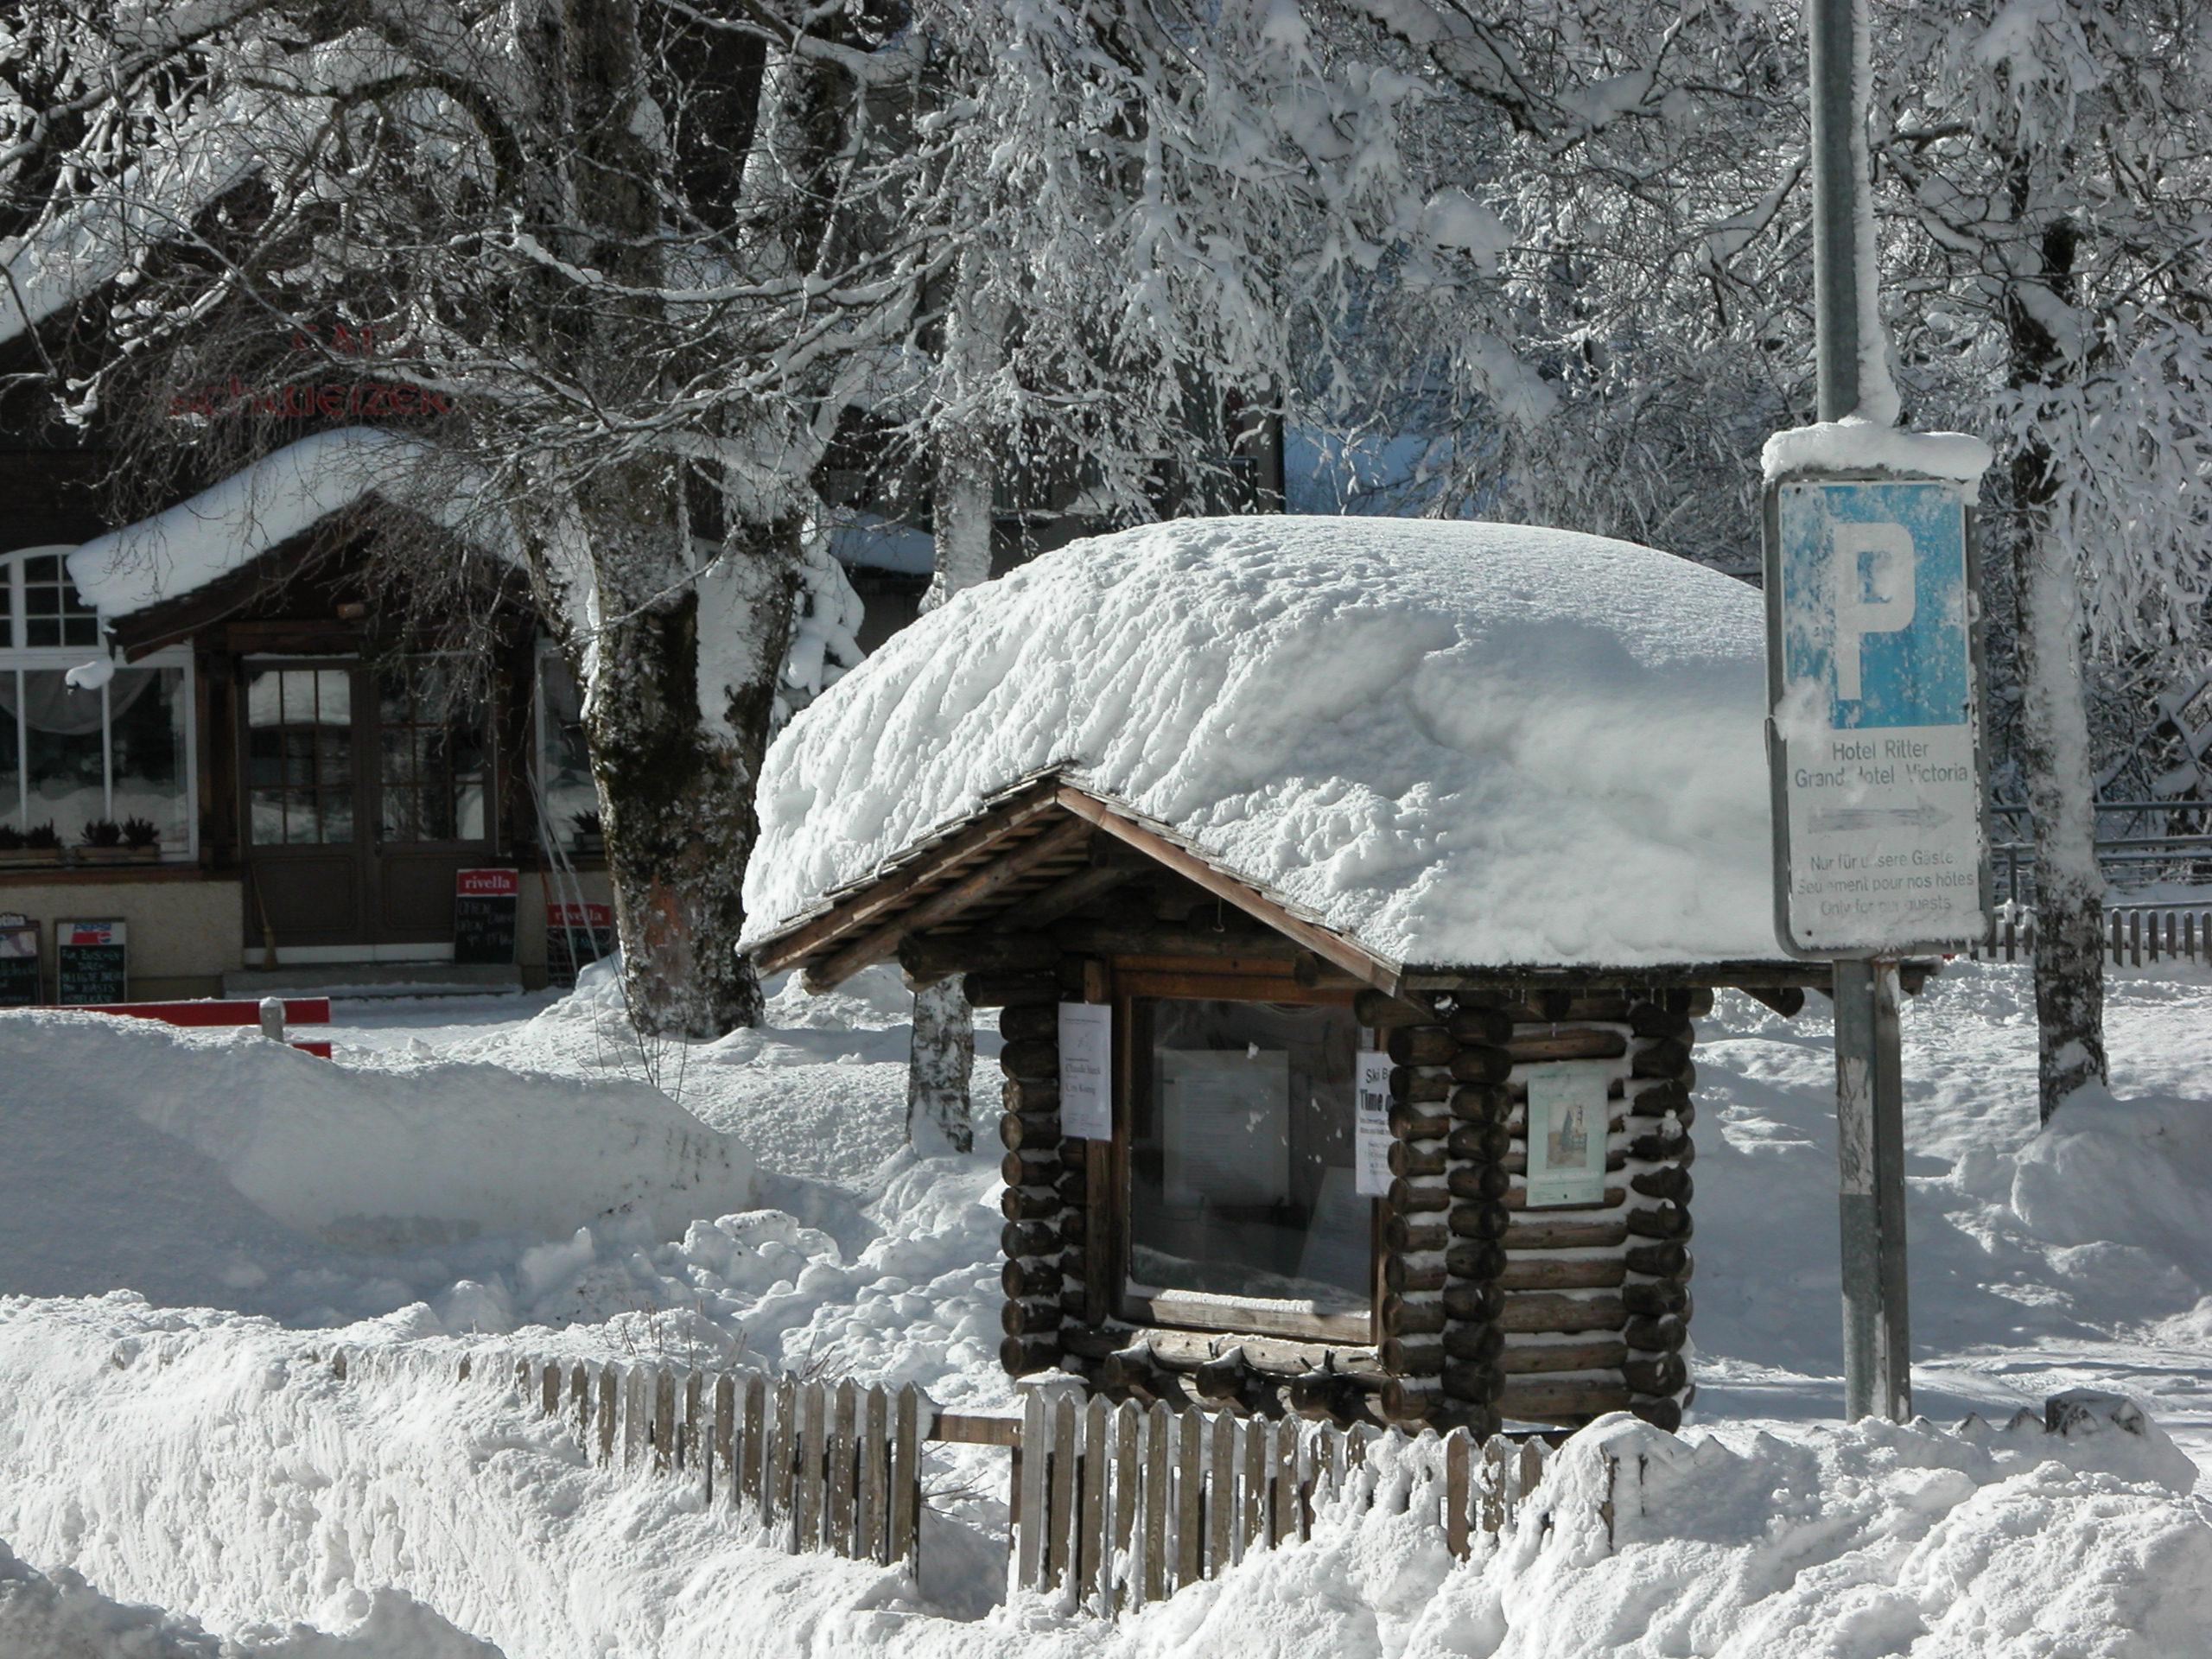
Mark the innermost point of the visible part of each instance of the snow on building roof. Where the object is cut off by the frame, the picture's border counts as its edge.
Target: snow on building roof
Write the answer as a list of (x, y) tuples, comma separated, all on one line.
[(228, 525), (1454, 745)]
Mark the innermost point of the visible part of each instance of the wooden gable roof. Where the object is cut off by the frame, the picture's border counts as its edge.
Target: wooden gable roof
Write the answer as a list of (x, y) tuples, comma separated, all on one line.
[(1043, 851)]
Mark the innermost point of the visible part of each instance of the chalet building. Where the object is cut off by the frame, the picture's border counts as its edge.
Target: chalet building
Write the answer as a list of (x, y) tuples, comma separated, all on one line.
[(1348, 892), (311, 788), (305, 790)]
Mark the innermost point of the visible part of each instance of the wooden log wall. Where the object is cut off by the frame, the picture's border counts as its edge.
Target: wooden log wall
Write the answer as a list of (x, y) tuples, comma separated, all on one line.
[(1580, 1311), (1044, 1198), (1654, 1288), (1419, 1214)]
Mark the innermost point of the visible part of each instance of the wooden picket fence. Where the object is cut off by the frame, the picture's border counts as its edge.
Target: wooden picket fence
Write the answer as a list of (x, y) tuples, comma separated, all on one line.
[(1117, 1506), (1113, 1507), (2136, 934), (820, 1464)]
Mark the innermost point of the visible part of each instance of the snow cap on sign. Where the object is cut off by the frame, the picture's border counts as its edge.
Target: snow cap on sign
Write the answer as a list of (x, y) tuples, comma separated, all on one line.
[(1456, 745)]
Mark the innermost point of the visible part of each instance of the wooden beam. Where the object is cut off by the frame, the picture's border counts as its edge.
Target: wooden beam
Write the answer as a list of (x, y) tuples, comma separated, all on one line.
[(1330, 947), (1063, 898), (1141, 939), (947, 902), (870, 902)]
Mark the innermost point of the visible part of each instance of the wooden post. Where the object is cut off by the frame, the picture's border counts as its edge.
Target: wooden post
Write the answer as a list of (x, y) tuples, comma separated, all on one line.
[(872, 1540), (906, 1482), (1869, 1153)]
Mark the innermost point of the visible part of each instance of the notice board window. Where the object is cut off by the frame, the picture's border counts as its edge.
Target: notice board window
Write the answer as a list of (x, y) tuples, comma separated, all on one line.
[(1241, 1207)]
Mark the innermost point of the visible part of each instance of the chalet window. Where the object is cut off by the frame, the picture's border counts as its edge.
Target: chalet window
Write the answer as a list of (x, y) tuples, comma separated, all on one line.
[(68, 756), (1243, 1208), (563, 781)]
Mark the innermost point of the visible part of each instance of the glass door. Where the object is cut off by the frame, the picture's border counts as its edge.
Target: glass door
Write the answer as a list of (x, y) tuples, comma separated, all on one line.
[(305, 872), (434, 795)]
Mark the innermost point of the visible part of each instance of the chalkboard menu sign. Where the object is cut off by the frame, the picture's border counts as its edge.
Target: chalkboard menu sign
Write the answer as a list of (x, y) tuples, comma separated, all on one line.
[(19, 978), (574, 935), (484, 915), (89, 963)]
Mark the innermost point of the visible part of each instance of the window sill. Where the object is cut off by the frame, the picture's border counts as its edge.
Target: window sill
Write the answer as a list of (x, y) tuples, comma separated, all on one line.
[(1232, 1315), (27, 875)]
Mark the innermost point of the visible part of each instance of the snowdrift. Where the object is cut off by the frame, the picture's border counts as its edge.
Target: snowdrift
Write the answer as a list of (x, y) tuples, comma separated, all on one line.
[(64, 1617), (217, 1464), (1456, 743), (1845, 1543), (171, 1162)]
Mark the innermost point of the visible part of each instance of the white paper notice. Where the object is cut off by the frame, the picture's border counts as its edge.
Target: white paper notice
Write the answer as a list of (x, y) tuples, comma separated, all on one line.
[(1087, 1071), (1371, 1125), (1567, 1121)]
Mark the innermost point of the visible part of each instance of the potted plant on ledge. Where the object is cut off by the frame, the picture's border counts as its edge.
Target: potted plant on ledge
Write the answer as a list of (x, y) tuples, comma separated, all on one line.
[(585, 834), (29, 849), (101, 843), (142, 839)]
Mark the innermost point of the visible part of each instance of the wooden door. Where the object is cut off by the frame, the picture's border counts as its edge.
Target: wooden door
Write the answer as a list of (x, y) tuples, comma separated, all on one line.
[(365, 790), (305, 829), (437, 795)]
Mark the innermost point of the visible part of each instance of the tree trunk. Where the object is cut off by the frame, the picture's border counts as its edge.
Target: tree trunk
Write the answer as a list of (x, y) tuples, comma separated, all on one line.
[(2054, 740), (943, 1058), (939, 1068), (2062, 793), (677, 740), (680, 654)]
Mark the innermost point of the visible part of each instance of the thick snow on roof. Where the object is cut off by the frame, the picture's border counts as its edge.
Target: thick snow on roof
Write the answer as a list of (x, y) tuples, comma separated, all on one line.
[(1460, 745), (230, 525)]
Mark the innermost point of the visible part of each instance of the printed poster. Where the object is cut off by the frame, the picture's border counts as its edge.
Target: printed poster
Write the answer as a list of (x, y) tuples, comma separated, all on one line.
[(1371, 1125), (1087, 1071), (1568, 1118)]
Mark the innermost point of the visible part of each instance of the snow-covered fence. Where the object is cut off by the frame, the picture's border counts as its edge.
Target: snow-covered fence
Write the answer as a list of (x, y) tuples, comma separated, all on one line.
[(823, 1465), (1117, 1506), (2135, 934), (1113, 1506)]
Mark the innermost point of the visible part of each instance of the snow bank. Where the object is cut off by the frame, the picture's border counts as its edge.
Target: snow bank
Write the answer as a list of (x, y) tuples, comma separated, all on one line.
[(2124, 1171), (1845, 1543), (211, 1462), (184, 1165), (1461, 744), (64, 1617)]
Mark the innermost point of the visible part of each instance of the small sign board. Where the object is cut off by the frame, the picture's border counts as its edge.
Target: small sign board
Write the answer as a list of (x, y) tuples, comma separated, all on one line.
[(484, 905), (1873, 739), (576, 935), (19, 963), (1371, 1125), (90, 963), (1568, 1122), (1087, 1071)]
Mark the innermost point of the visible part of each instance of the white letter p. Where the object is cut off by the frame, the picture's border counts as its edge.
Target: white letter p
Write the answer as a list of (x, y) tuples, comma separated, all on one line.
[(1877, 598)]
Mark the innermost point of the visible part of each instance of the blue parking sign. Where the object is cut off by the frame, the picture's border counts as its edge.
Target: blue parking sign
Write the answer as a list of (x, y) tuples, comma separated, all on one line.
[(1875, 604), (1873, 735)]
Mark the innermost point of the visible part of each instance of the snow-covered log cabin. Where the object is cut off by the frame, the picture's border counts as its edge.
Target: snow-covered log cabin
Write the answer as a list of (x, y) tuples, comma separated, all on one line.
[(1475, 815)]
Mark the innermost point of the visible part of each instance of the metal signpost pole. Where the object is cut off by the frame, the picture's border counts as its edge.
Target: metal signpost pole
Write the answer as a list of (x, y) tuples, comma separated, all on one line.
[(1868, 1090)]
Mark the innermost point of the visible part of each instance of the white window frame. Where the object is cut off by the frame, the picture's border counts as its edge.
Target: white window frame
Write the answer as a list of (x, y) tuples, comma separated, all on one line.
[(17, 657)]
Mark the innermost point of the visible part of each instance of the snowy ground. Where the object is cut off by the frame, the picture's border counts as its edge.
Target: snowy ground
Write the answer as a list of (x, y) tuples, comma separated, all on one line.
[(187, 1460)]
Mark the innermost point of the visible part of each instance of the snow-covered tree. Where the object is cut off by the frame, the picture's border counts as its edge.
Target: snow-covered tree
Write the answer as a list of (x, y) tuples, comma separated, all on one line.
[(633, 250), (2053, 171), (2041, 178)]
